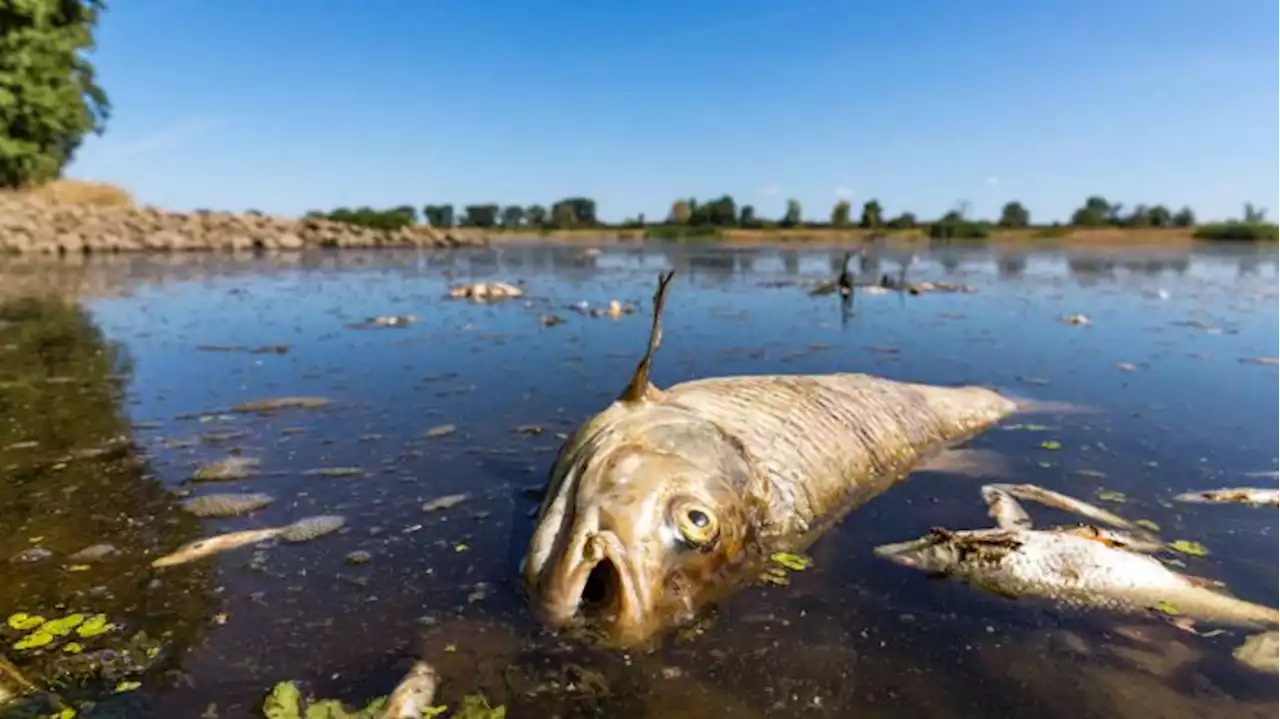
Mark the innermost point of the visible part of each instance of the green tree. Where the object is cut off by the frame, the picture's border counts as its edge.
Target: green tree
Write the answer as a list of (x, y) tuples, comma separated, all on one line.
[(720, 212), (440, 216), (1160, 216), (485, 215), (512, 216), (1254, 215), (535, 215), (872, 214), (563, 215), (905, 221), (681, 212), (840, 213), (793, 214), (1184, 217), (1139, 217), (1097, 212), (1014, 214), (49, 96), (747, 216), (584, 212)]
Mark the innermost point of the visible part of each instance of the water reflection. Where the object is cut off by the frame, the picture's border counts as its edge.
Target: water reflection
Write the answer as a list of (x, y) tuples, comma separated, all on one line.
[(849, 637), (80, 510)]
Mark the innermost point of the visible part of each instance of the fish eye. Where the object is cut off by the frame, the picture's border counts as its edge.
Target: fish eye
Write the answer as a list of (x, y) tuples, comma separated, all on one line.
[(696, 523)]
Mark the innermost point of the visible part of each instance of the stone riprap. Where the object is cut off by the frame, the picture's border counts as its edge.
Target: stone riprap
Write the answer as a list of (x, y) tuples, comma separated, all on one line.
[(34, 226)]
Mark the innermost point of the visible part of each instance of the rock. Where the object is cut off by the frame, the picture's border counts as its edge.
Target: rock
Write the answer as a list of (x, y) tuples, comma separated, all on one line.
[(43, 225)]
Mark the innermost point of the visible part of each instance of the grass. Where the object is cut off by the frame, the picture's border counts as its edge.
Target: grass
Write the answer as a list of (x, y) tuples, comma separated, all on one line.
[(80, 192)]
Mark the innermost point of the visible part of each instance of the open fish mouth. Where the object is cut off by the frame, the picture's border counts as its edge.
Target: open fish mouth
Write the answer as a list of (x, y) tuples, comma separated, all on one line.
[(601, 590)]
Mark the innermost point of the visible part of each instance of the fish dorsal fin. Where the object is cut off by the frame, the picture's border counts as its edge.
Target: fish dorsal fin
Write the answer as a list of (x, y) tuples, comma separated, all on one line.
[(641, 389)]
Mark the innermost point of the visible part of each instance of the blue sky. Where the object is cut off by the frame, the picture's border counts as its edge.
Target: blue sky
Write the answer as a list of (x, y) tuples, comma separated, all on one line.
[(285, 107)]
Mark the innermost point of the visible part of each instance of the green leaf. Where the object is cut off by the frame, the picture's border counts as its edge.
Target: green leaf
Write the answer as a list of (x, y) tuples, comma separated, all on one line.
[(1111, 495), (794, 562), (1148, 524), (1184, 546), (95, 625), (1166, 608), (22, 621), (1052, 445), (284, 702)]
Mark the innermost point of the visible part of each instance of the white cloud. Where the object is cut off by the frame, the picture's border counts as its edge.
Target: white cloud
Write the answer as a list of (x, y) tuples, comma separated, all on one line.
[(843, 192), (993, 182), (770, 191)]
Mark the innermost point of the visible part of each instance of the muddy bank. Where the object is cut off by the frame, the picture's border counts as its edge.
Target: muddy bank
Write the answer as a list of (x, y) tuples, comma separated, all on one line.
[(30, 225)]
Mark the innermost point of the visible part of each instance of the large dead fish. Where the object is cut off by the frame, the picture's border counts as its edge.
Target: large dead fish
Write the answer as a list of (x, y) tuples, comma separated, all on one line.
[(668, 500), (1072, 571)]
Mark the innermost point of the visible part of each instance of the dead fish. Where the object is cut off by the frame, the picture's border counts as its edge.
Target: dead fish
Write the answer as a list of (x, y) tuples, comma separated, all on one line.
[(226, 505), (1251, 496), (1260, 652), (300, 531), (1072, 572), (669, 500), (226, 470), (412, 697), (279, 404), (485, 291), (445, 502)]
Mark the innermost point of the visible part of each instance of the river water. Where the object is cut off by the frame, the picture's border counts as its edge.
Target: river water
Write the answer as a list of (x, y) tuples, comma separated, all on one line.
[(1168, 368)]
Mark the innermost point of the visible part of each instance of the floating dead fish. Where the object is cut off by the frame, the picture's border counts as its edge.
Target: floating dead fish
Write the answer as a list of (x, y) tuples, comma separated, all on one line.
[(385, 321), (300, 531), (445, 502), (279, 404), (226, 505), (485, 291), (1073, 572), (1077, 320), (412, 697), (226, 470), (1260, 652), (1251, 496), (669, 500)]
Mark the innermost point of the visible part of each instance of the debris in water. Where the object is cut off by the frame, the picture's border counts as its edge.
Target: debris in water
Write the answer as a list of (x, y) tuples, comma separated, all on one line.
[(485, 291), (440, 431), (226, 470), (334, 472), (1077, 320), (226, 505), (279, 404), (445, 502)]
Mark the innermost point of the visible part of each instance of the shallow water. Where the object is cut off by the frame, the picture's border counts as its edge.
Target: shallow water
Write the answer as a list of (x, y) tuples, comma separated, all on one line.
[(851, 636)]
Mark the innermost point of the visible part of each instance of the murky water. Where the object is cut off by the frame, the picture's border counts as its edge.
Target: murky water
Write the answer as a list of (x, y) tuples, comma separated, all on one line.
[(1177, 409)]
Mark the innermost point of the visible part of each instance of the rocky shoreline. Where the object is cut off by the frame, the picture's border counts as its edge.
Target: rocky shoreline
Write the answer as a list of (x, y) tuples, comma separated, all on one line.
[(34, 226)]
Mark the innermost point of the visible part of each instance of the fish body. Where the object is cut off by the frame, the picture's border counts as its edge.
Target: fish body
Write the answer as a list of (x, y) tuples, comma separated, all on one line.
[(668, 500), (1250, 496), (1071, 571), (300, 531), (413, 695), (226, 504)]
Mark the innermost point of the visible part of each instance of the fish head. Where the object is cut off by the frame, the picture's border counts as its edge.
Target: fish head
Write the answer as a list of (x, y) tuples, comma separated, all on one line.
[(639, 539), (937, 552)]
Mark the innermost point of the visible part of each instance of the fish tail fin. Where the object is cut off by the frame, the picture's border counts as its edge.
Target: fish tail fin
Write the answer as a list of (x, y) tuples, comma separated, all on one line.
[(640, 388)]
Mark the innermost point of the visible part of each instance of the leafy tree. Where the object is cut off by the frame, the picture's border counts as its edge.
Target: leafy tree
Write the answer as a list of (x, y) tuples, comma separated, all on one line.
[(1139, 217), (793, 214), (49, 96), (747, 216), (535, 215), (1160, 216), (1014, 214), (1184, 218), (393, 219), (438, 215), (408, 212), (583, 211), (681, 212), (563, 215), (1097, 212), (1254, 215), (720, 212), (872, 214), (485, 215), (840, 213), (905, 221), (512, 216)]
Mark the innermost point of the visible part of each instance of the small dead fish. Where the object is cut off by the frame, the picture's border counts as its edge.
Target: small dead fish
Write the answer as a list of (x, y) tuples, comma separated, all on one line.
[(1251, 496), (300, 531), (305, 530), (445, 502), (279, 404), (1260, 652), (485, 291), (1073, 572), (412, 697), (226, 470), (334, 472), (226, 505)]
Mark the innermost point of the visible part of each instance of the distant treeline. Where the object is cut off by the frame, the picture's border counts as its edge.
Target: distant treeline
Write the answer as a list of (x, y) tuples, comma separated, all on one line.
[(689, 217)]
